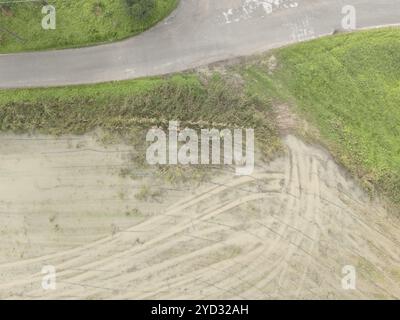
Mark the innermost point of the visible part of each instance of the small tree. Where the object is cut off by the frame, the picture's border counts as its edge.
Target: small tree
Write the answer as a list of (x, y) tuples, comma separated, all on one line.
[(141, 9)]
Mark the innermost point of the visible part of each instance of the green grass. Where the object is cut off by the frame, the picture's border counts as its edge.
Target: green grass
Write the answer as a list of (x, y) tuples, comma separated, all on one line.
[(79, 23), (348, 87)]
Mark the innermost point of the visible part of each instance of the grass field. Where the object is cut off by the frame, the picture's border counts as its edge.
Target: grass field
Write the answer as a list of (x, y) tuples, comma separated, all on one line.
[(348, 87), (78, 22)]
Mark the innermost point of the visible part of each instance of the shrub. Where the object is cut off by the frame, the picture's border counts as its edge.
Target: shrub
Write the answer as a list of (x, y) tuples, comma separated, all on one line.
[(141, 9)]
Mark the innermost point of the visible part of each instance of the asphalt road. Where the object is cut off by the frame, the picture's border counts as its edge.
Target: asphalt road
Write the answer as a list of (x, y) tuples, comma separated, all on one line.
[(197, 33)]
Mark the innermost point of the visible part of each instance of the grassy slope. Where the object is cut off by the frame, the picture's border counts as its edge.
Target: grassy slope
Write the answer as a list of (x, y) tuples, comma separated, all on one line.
[(348, 86), (122, 107), (79, 23)]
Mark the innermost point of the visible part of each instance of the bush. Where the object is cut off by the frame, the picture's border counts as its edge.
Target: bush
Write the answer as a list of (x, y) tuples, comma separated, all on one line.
[(141, 9)]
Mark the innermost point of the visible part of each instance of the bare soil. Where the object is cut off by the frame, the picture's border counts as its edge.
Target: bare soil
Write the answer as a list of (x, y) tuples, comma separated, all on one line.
[(284, 232)]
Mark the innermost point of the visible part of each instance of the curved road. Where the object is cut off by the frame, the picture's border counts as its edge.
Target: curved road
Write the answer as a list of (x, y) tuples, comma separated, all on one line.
[(197, 33)]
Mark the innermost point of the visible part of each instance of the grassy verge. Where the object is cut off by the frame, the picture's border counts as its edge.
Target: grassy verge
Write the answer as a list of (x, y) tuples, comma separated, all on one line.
[(348, 87), (126, 110), (78, 22)]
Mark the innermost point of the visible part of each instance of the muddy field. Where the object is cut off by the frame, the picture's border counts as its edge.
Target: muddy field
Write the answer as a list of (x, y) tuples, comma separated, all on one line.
[(287, 231)]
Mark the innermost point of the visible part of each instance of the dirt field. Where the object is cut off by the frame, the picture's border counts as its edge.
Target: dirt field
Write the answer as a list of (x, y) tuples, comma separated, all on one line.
[(284, 232)]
